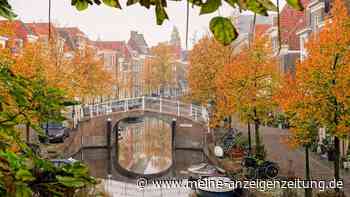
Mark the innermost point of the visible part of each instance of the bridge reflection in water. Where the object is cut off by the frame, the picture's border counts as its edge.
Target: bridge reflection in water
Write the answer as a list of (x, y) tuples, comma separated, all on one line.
[(145, 145)]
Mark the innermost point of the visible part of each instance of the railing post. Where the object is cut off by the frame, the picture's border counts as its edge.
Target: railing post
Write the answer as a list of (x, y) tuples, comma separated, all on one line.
[(90, 109), (160, 104), (204, 114), (143, 103), (191, 111), (178, 108), (125, 105), (195, 115)]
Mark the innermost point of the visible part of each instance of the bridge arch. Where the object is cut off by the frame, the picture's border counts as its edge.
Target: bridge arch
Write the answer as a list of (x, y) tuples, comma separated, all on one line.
[(92, 131)]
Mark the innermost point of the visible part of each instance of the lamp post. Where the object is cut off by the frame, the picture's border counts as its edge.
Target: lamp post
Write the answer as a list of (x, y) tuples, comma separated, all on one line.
[(210, 106), (109, 132), (249, 138)]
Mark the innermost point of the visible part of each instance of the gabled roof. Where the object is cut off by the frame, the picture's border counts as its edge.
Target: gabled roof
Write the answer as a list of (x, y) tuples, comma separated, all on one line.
[(119, 46), (70, 34), (73, 31), (291, 21), (42, 29)]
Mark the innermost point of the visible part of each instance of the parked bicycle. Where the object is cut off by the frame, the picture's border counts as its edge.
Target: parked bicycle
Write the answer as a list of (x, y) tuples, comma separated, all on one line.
[(259, 169)]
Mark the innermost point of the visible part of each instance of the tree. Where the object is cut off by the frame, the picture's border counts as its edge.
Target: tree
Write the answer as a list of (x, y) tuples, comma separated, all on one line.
[(222, 27), (206, 59), (247, 85), (88, 76), (300, 107), (325, 75), (159, 69), (24, 173)]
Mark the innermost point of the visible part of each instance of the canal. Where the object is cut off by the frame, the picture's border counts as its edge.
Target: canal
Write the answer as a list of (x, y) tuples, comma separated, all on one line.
[(144, 147)]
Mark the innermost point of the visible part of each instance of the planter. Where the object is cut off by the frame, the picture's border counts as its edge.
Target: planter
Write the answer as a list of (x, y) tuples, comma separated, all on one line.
[(235, 155)]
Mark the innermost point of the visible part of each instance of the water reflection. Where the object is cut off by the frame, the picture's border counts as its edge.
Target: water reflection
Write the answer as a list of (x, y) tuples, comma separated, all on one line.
[(144, 145)]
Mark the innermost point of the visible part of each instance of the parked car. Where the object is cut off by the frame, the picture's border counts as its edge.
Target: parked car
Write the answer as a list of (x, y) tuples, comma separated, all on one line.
[(56, 132)]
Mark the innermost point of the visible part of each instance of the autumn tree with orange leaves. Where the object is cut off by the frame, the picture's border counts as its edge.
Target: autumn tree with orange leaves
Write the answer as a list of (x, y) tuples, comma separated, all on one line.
[(206, 60), (247, 84), (321, 85), (89, 78), (83, 76), (159, 69), (300, 108)]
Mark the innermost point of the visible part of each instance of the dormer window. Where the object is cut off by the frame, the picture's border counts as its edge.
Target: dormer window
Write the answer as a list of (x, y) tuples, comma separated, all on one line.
[(317, 11), (61, 44)]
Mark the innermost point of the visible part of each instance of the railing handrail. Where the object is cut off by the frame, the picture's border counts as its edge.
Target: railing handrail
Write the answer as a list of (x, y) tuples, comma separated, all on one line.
[(148, 103)]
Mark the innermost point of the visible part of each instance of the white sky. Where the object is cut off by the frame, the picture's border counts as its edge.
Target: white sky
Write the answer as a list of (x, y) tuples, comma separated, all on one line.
[(113, 24)]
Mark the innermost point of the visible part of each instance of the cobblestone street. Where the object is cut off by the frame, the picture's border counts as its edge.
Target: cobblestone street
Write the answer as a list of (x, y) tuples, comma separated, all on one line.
[(293, 160)]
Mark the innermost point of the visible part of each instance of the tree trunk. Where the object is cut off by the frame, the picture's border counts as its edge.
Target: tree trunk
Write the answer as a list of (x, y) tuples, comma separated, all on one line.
[(308, 191), (257, 140), (27, 133), (337, 160), (249, 139), (257, 137)]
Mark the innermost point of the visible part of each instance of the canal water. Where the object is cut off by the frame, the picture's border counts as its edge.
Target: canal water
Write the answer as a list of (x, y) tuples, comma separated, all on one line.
[(144, 147)]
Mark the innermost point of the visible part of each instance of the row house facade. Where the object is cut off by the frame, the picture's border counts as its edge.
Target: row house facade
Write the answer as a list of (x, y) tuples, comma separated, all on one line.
[(288, 51), (124, 60), (115, 54)]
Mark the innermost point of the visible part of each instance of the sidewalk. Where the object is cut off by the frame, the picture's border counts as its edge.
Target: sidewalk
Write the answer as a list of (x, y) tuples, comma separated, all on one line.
[(293, 160)]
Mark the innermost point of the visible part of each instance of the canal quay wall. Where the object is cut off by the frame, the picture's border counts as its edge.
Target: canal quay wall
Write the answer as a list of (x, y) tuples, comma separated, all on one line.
[(92, 133)]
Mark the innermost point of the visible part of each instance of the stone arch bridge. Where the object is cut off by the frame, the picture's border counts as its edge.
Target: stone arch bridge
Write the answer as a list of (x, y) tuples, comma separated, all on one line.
[(191, 121)]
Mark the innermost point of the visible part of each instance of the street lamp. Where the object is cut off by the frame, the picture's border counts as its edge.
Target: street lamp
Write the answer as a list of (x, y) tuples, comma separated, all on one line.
[(210, 106)]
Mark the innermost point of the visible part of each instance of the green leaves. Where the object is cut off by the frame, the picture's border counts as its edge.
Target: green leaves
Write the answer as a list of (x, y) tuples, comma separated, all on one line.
[(84, 4), (257, 7), (76, 176), (223, 30), (161, 14), (71, 181), (131, 2), (268, 5), (232, 2), (80, 4), (6, 10), (24, 175), (296, 4), (22, 190), (112, 3), (210, 6)]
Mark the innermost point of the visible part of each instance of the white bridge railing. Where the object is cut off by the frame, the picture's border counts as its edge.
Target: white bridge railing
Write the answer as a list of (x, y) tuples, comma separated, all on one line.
[(153, 104)]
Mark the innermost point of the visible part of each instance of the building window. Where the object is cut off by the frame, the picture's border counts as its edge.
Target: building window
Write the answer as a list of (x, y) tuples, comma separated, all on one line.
[(274, 43), (303, 53), (124, 67)]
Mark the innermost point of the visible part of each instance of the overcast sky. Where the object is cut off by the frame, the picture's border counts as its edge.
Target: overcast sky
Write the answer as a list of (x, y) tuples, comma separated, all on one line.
[(113, 24)]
